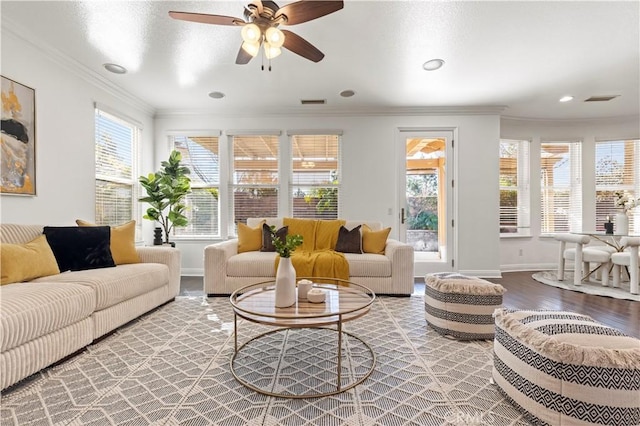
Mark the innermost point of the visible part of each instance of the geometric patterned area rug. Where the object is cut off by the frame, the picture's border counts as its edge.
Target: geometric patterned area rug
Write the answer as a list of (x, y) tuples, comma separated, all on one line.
[(171, 367), (588, 287)]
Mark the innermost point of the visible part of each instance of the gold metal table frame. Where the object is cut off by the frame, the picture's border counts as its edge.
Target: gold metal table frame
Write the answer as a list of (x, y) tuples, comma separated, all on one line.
[(345, 301)]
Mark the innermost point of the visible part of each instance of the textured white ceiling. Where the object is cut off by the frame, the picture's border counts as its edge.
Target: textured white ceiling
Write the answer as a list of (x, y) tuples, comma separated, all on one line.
[(521, 55)]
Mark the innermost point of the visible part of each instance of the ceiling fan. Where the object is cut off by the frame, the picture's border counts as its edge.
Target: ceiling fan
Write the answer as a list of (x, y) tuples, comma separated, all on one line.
[(260, 27)]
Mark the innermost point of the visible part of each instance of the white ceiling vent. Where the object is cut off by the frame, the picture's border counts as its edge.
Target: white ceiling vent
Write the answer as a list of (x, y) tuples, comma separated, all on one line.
[(600, 98), (313, 101)]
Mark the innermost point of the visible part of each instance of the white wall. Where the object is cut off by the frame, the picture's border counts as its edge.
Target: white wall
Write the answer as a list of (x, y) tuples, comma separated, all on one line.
[(542, 252), (65, 169), (369, 178)]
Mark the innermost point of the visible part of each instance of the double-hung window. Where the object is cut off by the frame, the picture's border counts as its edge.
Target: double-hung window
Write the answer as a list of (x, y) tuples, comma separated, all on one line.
[(116, 147), (201, 154), (315, 180), (514, 187), (617, 174), (560, 186), (255, 180)]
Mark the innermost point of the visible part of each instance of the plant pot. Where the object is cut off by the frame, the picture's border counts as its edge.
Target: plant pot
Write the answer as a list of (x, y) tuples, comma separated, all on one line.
[(157, 237), (622, 224), (285, 284)]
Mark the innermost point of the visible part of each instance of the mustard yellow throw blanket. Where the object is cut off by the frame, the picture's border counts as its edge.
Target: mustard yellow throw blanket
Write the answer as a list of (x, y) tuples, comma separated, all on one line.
[(316, 256)]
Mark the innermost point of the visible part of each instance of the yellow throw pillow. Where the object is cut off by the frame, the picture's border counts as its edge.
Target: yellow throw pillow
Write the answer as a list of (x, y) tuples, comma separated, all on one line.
[(123, 241), (249, 239), (25, 262), (306, 228), (374, 241)]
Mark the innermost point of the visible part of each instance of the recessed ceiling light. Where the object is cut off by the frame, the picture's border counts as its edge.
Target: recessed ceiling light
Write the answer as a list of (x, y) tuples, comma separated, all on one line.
[(566, 98), (433, 64), (115, 68), (216, 95), (347, 93)]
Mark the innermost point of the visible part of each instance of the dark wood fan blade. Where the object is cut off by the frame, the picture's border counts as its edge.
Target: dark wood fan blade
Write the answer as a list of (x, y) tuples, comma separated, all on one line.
[(303, 11), (206, 19), (302, 47), (243, 57)]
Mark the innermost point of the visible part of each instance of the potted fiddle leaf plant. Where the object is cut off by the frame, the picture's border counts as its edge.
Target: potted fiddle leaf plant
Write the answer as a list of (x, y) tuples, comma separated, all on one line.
[(166, 190)]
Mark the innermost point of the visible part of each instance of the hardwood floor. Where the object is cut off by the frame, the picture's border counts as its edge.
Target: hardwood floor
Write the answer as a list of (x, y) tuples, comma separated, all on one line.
[(523, 292)]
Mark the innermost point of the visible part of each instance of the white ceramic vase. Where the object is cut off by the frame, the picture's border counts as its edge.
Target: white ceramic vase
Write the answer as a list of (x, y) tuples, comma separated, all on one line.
[(622, 224), (285, 283)]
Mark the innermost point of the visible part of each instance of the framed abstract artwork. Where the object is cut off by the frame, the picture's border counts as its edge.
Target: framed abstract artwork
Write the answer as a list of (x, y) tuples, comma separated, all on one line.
[(18, 143)]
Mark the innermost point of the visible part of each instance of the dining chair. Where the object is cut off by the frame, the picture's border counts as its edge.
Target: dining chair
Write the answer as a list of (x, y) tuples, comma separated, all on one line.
[(582, 257), (630, 258)]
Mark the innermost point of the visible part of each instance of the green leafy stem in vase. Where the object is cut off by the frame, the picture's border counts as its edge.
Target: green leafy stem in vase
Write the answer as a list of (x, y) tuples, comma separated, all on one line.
[(286, 247)]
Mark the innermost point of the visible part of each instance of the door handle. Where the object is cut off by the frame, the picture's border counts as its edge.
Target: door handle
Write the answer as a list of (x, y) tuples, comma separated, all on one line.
[(402, 215)]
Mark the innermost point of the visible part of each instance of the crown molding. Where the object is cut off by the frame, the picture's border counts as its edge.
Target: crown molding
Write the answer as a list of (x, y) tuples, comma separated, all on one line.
[(577, 120), (319, 111), (21, 33)]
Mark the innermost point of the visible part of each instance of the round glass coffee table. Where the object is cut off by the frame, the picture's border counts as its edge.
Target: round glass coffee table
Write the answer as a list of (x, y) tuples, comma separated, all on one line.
[(308, 354)]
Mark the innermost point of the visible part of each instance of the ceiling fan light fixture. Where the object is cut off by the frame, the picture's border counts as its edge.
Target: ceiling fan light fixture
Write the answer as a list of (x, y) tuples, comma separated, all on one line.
[(275, 37), (271, 51), (251, 33), (251, 48)]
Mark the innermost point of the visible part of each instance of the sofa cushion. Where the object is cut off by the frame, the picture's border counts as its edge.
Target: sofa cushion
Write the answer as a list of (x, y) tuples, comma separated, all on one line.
[(14, 233), (114, 285), (252, 264), (249, 239), (34, 309), (80, 248), (122, 243), (374, 241), (24, 262), (368, 265), (349, 241)]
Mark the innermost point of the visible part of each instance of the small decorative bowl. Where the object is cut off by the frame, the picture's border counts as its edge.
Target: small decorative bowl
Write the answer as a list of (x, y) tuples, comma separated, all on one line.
[(316, 295)]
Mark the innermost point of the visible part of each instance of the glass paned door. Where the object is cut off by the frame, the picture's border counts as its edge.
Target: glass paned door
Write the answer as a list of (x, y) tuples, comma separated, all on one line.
[(426, 203)]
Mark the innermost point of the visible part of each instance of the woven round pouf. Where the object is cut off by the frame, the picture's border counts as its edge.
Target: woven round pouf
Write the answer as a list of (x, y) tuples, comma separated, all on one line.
[(461, 306), (564, 368)]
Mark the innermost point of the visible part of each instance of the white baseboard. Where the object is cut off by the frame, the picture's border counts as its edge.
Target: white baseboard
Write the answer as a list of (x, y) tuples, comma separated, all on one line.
[(481, 273), (531, 267), (192, 272)]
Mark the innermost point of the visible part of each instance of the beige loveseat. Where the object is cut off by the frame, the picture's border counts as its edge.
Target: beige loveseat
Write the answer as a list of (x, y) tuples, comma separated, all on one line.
[(49, 318), (226, 270)]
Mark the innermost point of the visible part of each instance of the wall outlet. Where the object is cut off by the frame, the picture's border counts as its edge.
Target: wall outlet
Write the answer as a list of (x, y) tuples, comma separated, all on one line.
[(520, 252), (390, 211)]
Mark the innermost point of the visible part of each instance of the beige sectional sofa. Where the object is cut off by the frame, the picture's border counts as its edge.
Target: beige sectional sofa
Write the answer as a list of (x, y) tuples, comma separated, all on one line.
[(49, 318), (226, 270)]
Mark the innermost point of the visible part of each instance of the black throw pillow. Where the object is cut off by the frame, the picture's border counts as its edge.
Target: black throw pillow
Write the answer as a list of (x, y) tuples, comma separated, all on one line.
[(267, 244), (77, 248), (349, 241)]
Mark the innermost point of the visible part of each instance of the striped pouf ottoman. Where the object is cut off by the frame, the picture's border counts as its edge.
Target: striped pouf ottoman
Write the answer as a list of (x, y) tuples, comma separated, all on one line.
[(460, 306), (563, 368)]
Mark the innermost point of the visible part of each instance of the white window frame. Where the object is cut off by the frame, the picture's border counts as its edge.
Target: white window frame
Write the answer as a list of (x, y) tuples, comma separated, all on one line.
[(574, 186), (178, 233), (632, 188), (523, 187), (292, 186), (132, 181)]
